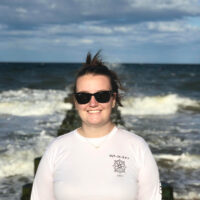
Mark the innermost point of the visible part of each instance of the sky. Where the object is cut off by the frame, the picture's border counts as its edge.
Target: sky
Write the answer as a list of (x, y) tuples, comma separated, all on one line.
[(127, 31)]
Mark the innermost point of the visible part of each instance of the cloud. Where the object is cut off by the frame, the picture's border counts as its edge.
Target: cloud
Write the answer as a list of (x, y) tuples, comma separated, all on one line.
[(33, 13), (123, 25)]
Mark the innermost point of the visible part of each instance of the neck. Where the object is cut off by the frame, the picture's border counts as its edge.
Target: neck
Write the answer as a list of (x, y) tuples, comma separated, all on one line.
[(94, 132)]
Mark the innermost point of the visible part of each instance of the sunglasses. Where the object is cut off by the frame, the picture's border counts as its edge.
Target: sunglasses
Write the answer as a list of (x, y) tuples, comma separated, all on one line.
[(101, 97)]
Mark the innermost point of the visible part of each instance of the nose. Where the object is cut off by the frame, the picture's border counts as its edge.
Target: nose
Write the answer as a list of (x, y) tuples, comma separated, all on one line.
[(93, 102)]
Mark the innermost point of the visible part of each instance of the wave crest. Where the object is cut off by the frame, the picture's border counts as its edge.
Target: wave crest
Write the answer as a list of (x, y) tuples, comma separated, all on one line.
[(28, 102), (158, 105)]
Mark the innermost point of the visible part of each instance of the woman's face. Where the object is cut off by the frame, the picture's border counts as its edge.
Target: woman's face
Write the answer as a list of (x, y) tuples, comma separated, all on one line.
[(94, 113)]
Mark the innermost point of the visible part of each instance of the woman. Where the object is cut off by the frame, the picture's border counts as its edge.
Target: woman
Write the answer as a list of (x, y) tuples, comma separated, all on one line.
[(97, 161)]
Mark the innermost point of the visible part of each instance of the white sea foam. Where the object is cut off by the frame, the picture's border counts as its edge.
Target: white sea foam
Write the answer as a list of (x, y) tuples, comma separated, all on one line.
[(184, 160), (21, 162), (114, 65), (29, 102), (18, 160), (194, 195), (156, 105), (18, 154)]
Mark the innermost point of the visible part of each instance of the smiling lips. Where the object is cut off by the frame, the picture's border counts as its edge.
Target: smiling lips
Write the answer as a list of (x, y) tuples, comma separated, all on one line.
[(93, 111)]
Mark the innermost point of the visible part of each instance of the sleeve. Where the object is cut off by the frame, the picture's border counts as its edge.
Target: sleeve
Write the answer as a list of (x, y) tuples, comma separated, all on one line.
[(149, 182), (43, 182)]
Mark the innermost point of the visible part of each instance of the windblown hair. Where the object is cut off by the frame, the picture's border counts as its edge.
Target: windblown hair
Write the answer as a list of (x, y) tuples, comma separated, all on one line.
[(96, 66)]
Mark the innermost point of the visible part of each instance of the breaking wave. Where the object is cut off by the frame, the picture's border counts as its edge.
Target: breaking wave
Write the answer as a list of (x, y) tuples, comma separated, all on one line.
[(29, 102), (18, 158), (158, 105), (184, 160)]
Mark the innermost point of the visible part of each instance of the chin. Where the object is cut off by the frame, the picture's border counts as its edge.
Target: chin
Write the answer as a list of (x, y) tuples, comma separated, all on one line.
[(97, 123), (94, 123)]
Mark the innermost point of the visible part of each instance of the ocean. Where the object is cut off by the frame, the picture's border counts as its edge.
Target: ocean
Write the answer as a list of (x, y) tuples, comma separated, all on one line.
[(161, 104)]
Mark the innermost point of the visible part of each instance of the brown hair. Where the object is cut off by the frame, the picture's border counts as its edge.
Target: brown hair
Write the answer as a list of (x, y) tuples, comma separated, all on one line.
[(96, 66)]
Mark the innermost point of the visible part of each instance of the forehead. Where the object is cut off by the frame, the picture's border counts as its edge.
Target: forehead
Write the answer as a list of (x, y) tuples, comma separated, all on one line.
[(93, 83)]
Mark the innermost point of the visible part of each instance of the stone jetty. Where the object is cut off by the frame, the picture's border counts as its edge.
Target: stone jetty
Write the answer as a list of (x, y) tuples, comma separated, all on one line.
[(71, 122)]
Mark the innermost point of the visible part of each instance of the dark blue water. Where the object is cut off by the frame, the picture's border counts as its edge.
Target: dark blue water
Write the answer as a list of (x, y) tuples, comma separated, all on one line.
[(152, 79), (36, 75), (161, 103)]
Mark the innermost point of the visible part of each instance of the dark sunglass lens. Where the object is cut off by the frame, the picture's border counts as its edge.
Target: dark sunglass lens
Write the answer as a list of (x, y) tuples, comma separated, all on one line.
[(82, 98), (103, 97)]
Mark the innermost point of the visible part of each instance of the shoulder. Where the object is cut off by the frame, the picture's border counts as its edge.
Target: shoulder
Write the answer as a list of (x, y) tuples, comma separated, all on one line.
[(134, 142), (136, 145), (65, 137), (58, 147), (131, 137), (62, 141)]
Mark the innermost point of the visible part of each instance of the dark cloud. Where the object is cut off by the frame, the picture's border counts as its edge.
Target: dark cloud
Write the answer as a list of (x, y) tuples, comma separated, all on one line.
[(23, 14), (123, 27)]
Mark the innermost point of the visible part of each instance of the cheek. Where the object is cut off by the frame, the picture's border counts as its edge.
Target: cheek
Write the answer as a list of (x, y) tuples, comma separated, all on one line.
[(108, 107), (80, 107)]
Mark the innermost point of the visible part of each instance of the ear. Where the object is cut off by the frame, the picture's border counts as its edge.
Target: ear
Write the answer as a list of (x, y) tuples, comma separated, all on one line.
[(114, 100), (74, 102)]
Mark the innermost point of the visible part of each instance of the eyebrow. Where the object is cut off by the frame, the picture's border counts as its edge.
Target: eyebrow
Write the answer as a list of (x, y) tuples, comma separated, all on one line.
[(93, 92)]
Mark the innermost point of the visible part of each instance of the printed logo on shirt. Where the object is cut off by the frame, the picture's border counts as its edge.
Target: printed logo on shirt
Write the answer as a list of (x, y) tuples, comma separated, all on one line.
[(118, 156), (119, 165)]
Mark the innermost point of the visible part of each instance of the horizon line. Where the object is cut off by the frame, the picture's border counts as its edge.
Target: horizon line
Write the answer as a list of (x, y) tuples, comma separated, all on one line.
[(70, 62)]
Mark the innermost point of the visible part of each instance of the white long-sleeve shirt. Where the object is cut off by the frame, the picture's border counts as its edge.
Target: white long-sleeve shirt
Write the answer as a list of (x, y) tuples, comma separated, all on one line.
[(121, 168)]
